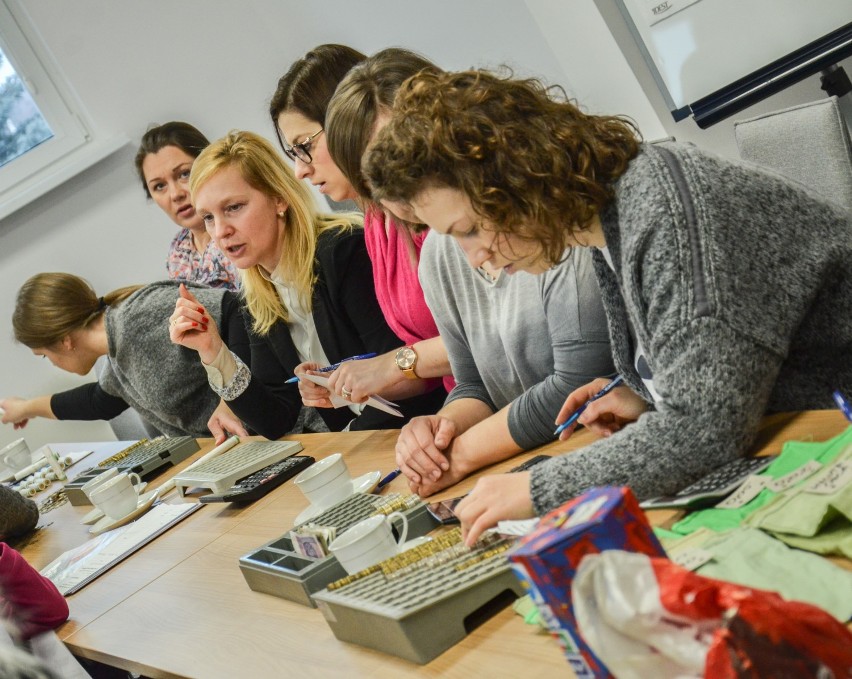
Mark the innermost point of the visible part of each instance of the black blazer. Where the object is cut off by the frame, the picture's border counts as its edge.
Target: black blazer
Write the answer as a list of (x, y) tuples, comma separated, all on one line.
[(349, 322)]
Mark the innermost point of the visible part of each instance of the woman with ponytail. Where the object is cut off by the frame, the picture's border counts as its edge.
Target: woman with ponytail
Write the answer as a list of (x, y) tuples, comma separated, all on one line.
[(60, 317)]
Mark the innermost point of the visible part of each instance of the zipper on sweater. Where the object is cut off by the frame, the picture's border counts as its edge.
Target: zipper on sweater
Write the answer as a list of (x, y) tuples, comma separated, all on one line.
[(699, 287)]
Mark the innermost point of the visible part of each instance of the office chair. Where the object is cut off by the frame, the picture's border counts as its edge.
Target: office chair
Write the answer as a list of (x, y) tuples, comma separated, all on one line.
[(809, 143)]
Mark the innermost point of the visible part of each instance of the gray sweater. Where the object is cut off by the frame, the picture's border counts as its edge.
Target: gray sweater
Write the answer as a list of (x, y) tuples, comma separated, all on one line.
[(525, 340), (738, 284)]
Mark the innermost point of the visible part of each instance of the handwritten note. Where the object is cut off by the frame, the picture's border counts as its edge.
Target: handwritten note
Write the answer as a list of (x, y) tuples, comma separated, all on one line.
[(691, 558), (803, 472), (744, 494), (837, 476)]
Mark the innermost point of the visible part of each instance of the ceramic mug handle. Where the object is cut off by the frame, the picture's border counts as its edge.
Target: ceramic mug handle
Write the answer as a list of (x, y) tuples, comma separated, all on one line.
[(403, 533)]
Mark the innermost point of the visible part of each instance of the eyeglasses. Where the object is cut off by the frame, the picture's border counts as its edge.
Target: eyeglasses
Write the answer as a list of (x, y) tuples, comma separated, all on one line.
[(302, 151)]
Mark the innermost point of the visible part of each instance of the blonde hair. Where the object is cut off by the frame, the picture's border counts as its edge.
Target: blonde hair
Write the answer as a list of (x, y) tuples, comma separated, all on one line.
[(50, 306), (264, 170)]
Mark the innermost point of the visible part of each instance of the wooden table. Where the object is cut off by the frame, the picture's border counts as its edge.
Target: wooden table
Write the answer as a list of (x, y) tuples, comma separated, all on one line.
[(181, 608)]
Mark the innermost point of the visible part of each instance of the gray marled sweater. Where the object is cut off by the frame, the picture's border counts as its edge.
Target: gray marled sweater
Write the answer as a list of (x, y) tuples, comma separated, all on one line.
[(742, 299)]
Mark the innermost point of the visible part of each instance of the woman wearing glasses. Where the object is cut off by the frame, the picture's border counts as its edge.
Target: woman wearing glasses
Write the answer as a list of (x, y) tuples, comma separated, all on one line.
[(306, 283), (727, 289), (163, 162), (298, 112)]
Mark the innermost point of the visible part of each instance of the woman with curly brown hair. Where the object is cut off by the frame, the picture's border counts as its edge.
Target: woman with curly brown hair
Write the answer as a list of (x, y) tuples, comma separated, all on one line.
[(727, 289)]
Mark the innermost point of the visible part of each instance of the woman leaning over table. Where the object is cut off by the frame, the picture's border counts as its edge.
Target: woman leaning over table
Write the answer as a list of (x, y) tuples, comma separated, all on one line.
[(306, 282), (727, 288), (60, 317), (511, 376), (299, 109), (163, 162)]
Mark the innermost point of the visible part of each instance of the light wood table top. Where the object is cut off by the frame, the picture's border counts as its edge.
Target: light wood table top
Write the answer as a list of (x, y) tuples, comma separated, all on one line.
[(181, 608)]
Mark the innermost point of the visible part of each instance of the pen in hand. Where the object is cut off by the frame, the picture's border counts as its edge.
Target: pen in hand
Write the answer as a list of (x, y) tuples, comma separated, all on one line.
[(335, 366), (603, 392)]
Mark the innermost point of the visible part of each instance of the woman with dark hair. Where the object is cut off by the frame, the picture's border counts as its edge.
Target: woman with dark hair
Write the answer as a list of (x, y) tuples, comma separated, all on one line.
[(298, 110), (727, 288), (163, 162), (60, 317), (306, 286)]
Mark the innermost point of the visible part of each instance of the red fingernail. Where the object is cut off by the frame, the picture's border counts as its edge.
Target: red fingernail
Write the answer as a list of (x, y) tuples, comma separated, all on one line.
[(204, 327), (194, 324), (200, 309), (204, 320)]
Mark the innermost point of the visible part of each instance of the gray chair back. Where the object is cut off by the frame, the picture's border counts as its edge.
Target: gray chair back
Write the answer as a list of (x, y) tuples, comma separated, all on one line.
[(809, 143)]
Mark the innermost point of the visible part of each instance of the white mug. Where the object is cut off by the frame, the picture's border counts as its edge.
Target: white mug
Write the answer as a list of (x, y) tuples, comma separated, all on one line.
[(326, 481), (16, 455), (94, 482), (368, 542), (116, 497)]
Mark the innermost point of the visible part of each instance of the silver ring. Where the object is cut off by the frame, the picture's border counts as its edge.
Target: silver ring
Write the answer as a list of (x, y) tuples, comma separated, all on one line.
[(174, 322), (346, 393)]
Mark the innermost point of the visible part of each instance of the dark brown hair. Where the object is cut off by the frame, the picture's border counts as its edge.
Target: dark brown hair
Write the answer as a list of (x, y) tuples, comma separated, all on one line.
[(531, 162), (182, 135), (310, 82), (366, 91), (50, 306)]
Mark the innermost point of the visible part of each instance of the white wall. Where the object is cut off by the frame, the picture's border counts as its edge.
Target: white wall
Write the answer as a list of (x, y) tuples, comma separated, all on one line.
[(216, 64)]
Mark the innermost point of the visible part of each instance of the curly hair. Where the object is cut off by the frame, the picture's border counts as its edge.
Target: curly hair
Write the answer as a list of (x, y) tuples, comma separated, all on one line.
[(263, 169), (530, 161)]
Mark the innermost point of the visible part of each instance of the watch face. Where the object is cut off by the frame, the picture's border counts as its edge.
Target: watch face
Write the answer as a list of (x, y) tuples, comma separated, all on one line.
[(406, 358)]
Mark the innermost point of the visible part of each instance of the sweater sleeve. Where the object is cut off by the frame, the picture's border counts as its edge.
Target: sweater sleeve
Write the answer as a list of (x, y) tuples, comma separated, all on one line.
[(18, 515), (578, 336), (29, 599), (709, 416), (86, 402)]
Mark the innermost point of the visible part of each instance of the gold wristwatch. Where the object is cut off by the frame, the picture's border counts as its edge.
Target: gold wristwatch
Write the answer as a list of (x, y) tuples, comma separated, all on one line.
[(406, 360)]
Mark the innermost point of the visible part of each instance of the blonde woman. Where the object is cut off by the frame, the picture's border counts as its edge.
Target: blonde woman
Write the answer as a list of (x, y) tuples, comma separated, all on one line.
[(306, 282)]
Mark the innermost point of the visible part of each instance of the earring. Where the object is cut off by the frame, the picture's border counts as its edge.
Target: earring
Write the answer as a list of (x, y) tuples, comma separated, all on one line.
[(281, 214)]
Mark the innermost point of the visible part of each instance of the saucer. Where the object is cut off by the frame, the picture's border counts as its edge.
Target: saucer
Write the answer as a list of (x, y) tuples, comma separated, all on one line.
[(106, 523), (96, 514), (363, 484)]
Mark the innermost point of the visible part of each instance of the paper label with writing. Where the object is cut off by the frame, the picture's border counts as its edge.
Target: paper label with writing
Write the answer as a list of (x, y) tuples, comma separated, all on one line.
[(691, 558), (803, 472), (744, 494), (837, 476), (657, 10)]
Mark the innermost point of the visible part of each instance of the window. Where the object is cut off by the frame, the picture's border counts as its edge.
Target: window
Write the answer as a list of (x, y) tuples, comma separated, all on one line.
[(43, 138)]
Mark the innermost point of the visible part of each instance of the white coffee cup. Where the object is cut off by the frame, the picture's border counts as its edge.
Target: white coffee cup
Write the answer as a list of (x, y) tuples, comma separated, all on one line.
[(116, 497), (368, 542), (325, 482), (105, 475), (16, 455)]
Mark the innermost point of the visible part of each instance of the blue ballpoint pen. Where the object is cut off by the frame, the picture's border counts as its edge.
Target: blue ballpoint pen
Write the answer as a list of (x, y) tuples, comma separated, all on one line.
[(603, 392), (335, 366), (390, 477), (843, 404)]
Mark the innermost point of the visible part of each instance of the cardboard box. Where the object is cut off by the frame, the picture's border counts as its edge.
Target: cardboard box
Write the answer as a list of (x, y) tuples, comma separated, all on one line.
[(547, 560)]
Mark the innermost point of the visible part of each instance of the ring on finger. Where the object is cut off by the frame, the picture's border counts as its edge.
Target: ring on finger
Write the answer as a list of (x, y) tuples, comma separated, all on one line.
[(346, 393), (174, 322)]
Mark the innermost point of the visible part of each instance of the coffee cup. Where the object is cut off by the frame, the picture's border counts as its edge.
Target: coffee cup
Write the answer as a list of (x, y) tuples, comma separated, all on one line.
[(326, 481), (16, 455), (105, 475), (368, 542), (116, 497)]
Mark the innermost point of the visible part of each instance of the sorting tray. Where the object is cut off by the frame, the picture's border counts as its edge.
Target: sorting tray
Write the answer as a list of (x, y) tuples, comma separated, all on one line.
[(276, 568), (420, 603), (143, 457)]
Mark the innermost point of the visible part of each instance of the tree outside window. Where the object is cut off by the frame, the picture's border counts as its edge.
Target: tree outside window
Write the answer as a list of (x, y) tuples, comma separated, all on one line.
[(22, 126)]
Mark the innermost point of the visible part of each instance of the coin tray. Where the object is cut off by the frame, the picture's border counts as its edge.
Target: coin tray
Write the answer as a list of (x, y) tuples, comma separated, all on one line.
[(277, 568)]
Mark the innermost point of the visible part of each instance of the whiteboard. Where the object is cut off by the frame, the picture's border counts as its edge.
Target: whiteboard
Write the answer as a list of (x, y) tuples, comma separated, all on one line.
[(696, 48)]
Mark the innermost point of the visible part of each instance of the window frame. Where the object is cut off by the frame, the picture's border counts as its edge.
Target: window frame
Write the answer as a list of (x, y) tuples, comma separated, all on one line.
[(74, 145)]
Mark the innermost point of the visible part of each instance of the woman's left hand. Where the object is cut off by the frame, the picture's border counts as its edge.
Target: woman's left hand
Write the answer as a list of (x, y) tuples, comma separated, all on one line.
[(494, 498), (361, 379)]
